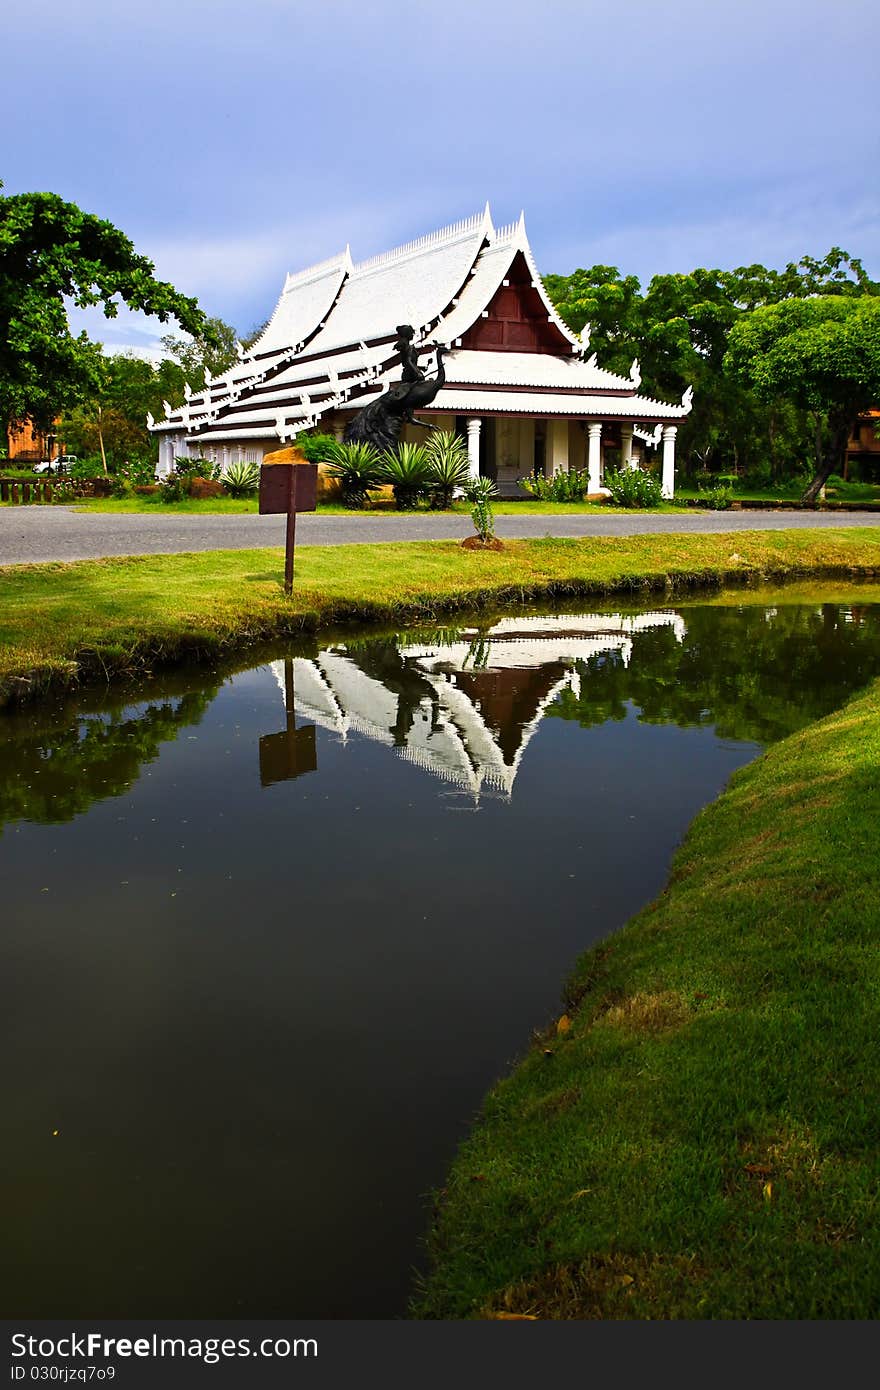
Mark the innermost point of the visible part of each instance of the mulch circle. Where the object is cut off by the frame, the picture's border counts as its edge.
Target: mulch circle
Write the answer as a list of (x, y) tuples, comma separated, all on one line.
[(475, 543)]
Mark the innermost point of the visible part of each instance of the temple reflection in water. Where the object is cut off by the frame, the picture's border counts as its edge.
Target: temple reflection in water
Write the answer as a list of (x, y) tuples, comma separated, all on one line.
[(465, 707)]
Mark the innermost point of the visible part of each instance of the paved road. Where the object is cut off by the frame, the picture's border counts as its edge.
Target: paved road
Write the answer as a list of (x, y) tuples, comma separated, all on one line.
[(29, 535)]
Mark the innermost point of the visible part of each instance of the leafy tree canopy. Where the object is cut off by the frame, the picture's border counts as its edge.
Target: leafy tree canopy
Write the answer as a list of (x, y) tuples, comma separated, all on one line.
[(212, 350), (52, 251), (823, 353), (680, 327)]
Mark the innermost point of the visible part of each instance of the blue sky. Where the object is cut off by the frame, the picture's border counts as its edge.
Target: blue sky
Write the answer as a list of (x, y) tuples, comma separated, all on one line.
[(236, 141)]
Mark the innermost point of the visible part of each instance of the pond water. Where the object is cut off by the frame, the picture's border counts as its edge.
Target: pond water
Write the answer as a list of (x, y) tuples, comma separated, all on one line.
[(269, 935)]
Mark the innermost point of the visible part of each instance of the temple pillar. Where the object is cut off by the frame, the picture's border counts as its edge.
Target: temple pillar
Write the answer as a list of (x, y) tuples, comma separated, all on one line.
[(594, 455), (473, 446), (626, 447), (668, 475)]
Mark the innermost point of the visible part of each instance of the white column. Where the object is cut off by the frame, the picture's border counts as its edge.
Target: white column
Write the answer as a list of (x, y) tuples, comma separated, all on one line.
[(473, 438), (669, 434), (626, 447), (594, 455)]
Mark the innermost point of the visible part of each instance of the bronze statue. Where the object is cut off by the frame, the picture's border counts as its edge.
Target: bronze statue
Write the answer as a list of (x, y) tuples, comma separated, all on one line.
[(380, 423)]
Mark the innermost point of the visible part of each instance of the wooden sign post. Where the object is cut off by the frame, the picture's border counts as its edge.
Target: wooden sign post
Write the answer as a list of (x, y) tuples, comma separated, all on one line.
[(290, 488)]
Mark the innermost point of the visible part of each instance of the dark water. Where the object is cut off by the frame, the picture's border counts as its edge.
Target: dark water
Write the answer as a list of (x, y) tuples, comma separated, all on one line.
[(268, 937)]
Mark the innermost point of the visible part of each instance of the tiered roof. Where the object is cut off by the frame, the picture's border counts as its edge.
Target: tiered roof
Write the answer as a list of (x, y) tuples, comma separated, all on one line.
[(329, 345)]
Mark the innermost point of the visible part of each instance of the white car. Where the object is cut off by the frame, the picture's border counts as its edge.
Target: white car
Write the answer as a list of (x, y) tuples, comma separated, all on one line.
[(59, 465)]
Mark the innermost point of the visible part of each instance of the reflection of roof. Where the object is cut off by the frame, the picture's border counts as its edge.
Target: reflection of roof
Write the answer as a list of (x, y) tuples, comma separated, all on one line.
[(487, 694)]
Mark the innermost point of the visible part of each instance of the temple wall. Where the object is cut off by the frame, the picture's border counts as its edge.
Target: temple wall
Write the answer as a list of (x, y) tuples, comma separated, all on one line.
[(577, 445)]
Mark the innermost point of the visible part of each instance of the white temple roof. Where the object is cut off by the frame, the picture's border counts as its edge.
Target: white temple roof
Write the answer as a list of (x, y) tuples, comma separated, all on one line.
[(331, 340), (305, 301)]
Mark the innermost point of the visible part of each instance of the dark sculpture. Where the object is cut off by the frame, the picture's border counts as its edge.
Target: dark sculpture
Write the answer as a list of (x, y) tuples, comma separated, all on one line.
[(380, 423)]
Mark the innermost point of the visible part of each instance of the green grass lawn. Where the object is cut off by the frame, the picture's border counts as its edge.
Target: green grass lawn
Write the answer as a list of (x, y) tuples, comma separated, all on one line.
[(697, 1135), (379, 508), (64, 622)]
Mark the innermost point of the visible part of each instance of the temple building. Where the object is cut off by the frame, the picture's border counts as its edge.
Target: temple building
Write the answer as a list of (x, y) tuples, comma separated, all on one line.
[(518, 384)]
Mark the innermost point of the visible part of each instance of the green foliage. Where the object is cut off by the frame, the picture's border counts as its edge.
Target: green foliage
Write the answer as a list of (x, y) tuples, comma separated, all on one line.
[(408, 470), (241, 478), (633, 487), (570, 486), (88, 467), (679, 329), (196, 468), (213, 350), (52, 251), (357, 466), (823, 354), (609, 303), (172, 488), (448, 466), (317, 448), (717, 498), (480, 492)]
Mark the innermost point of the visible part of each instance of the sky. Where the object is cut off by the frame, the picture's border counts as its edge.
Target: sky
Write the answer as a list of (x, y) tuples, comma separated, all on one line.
[(234, 140)]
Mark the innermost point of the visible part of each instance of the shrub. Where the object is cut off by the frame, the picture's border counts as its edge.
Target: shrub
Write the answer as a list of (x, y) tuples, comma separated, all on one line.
[(718, 497), (758, 478), (171, 488), (357, 466), (317, 448), (570, 486), (480, 492), (200, 489), (241, 478), (408, 472), (633, 487), (448, 466), (136, 472), (196, 468), (90, 467)]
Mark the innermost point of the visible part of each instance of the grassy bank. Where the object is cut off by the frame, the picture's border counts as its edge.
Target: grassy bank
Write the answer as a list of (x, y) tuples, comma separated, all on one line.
[(153, 506), (61, 623), (697, 1136)]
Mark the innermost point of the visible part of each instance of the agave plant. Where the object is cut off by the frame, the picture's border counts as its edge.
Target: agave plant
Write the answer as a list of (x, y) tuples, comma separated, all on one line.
[(408, 472), (241, 478), (449, 466), (358, 468)]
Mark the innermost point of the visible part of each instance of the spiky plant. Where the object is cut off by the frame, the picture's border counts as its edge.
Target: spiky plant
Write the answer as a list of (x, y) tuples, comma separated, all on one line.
[(241, 478), (407, 470), (449, 466), (358, 468), (479, 493)]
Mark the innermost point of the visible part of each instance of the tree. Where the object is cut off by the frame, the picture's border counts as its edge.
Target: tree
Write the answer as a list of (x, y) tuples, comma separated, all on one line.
[(679, 328), (111, 417), (213, 350), (610, 303), (821, 353), (254, 334), (51, 250)]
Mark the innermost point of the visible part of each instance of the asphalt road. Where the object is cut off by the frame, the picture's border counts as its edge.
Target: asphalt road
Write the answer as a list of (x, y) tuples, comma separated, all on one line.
[(31, 535)]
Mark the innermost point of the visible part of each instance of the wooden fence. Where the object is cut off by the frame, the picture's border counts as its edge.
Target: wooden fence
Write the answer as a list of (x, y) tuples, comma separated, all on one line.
[(29, 490)]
